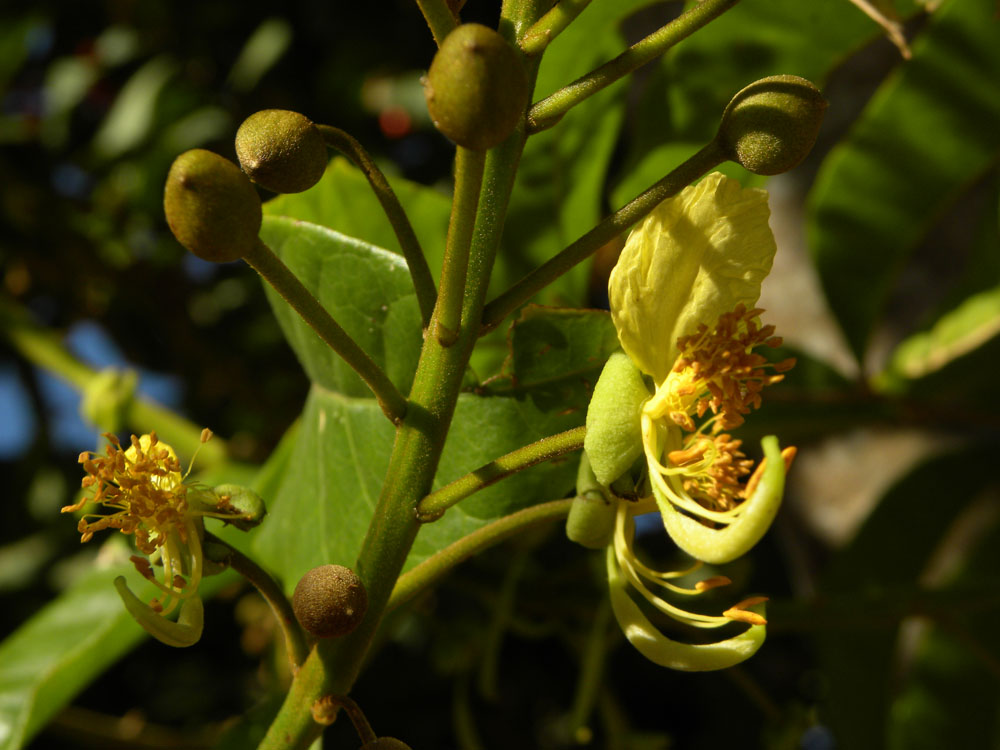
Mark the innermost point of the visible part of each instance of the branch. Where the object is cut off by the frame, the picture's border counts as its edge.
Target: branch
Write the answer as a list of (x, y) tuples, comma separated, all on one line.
[(498, 309), (548, 111), (423, 282), (435, 504)]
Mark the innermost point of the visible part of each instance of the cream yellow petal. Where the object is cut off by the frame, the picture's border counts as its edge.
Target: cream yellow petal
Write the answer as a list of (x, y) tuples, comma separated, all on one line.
[(696, 256), (666, 652), (718, 546)]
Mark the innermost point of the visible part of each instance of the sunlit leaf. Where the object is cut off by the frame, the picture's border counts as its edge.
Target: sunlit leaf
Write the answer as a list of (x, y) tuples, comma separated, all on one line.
[(367, 291), (343, 201), (926, 134)]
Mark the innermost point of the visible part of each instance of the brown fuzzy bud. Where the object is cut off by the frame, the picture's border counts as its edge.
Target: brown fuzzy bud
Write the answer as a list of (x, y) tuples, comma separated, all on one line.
[(211, 207), (476, 87), (330, 601), (280, 150), (772, 124)]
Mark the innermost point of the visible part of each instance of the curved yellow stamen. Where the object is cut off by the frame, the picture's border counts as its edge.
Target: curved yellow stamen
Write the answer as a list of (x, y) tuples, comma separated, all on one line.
[(624, 533)]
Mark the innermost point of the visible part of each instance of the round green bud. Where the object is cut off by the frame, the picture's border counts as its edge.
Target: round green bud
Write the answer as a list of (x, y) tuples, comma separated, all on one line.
[(476, 87), (240, 506), (771, 125), (280, 150), (385, 743), (330, 601), (212, 207)]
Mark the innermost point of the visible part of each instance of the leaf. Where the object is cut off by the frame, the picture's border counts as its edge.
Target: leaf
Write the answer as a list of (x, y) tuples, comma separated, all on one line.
[(322, 510), (926, 134), (59, 650), (885, 559), (343, 201), (555, 355), (70, 641), (368, 292), (952, 692), (940, 360)]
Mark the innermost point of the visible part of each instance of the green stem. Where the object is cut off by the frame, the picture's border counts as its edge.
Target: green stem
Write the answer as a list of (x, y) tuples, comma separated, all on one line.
[(45, 349), (435, 504), (548, 111), (420, 272), (295, 643), (707, 158), (551, 25), (440, 18), (287, 284), (423, 576), (469, 167), (589, 685), (333, 665), (503, 613)]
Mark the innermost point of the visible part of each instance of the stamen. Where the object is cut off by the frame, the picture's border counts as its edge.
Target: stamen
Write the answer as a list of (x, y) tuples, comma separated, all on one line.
[(739, 612)]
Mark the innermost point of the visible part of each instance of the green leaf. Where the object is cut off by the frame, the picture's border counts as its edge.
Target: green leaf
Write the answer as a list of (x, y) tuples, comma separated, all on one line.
[(927, 133), (940, 357), (952, 694), (368, 292), (549, 347), (58, 651), (885, 559), (334, 474), (322, 510), (70, 641), (343, 200)]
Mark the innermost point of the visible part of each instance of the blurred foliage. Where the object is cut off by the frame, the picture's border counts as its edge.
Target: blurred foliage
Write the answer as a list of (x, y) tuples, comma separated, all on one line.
[(879, 637)]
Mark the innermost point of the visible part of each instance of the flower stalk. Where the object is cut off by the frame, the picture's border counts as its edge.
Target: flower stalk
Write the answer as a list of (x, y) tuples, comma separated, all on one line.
[(332, 667), (694, 167), (469, 167), (432, 507), (549, 111), (549, 26), (416, 261)]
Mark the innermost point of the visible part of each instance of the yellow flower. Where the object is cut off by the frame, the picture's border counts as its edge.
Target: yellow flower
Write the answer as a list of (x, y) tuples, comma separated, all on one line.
[(150, 499), (682, 299)]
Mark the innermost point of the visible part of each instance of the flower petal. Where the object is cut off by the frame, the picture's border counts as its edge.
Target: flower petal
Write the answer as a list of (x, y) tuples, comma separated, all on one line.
[(661, 650), (185, 632), (695, 257), (722, 545)]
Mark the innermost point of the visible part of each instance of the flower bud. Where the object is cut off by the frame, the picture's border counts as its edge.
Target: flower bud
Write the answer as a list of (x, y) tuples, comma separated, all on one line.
[(476, 87), (244, 508), (614, 430), (771, 125), (211, 207), (591, 520), (330, 601), (280, 150), (107, 397)]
